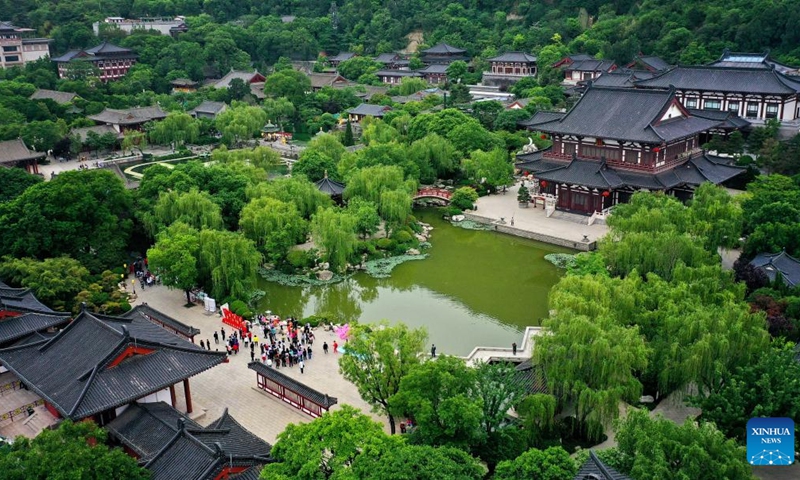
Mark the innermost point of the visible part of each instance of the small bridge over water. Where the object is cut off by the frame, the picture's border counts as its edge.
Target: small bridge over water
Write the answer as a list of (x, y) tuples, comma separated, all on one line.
[(437, 193)]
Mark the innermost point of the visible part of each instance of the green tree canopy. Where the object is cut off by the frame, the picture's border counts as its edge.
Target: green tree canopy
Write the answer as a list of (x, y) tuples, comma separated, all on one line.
[(174, 257), (493, 168), (420, 462), (335, 232), (177, 129), (315, 165), (677, 452), (14, 181), (551, 464), (377, 358), (54, 281), (73, 450), (275, 226), (194, 208), (229, 264), (240, 122), (82, 214), (298, 190)]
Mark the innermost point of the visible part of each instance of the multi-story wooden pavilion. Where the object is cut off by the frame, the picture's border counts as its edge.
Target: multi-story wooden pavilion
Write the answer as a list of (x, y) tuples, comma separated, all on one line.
[(99, 365), (616, 141)]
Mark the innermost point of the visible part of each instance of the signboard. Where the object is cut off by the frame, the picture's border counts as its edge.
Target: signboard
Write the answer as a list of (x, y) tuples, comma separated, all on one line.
[(770, 441)]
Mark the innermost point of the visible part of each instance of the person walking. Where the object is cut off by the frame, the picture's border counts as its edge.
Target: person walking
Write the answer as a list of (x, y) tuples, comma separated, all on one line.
[(202, 345), (325, 348), (514, 348), (222, 333), (208, 344), (216, 338), (252, 355), (335, 347), (302, 366), (433, 351)]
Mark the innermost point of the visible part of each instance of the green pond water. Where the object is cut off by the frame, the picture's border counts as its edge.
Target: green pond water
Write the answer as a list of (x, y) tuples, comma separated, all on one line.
[(477, 288)]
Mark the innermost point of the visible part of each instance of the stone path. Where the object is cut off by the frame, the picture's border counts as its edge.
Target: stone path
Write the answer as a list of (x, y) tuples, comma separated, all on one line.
[(524, 350), (233, 385)]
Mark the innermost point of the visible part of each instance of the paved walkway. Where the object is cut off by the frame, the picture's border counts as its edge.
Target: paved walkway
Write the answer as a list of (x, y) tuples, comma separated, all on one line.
[(233, 385), (524, 350), (570, 228)]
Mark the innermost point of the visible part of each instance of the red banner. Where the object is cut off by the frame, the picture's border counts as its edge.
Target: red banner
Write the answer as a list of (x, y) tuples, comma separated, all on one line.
[(232, 319)]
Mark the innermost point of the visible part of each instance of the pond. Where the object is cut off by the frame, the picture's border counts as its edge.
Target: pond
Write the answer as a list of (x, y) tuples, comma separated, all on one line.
[(477, 288)]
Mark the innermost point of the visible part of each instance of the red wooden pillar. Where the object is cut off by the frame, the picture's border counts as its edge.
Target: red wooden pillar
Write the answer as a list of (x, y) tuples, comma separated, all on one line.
[(187, 392), (172, 394)]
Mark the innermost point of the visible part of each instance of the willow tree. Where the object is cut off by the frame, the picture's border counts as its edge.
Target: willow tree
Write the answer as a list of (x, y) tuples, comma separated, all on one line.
[(378, 357), (335, 232), (436, 153), (274, 226), (194, 208), (177, 129), (394, 207), (370, 182), (174, 257), (299, 191), (229, 262), (261, 157), (592, 363), (240, 122)]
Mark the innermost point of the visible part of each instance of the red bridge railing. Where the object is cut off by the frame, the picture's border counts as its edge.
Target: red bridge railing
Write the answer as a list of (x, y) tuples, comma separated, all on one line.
[(434, 192)]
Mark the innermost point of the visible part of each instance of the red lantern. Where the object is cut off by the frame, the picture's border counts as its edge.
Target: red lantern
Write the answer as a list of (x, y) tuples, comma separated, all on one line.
[(525, 173), (657, 149), (606, 194), (543, 183), (543, 136)]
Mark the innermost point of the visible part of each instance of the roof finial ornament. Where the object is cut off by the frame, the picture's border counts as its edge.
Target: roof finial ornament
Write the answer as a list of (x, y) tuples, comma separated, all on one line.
[(125, 332), (83, 306), (326, 173), (181, 424)]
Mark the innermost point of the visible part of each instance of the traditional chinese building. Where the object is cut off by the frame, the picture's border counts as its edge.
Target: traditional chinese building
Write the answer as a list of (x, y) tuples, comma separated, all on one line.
[(162, 25), (17, 47), (61, 98), (444, 54), (112, 62), (392, 61), (616, 141), (183, 85), (594, 469), (582, 67), (394, 77), (333, 80), (208, 109), (649, 63), (367, 110), (291, 391), (340, 57), (99, 365), (779, 266), (129, 119), (435, 73), (23, 315), (171, 445), (509, 68), (14, 153), (752, 92), (752, 60)]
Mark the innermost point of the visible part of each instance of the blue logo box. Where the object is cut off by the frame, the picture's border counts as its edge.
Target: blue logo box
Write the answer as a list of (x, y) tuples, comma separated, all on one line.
[(770, 441)]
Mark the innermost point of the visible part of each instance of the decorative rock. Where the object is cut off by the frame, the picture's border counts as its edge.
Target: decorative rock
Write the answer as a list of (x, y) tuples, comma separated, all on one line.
[(325, 266), (412, 251), (646, 399), (421, 238), (457, 218), (324, 275)]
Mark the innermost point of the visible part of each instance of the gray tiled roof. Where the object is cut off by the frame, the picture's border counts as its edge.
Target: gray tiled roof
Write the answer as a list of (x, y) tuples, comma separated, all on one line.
[(83, 133), (54, 95), (209, 107), (532, 376), (147, 427), (99, 52), (319, 80), (246, 77), (14, 328), (369, 110), (626, 114), (396, 73), (387, 58), (15, 150), (615, 79), (724, 79), (342, 56), (590, 65), (650, 61), (329, 187), (774, 263), (315, 396), (74, 372), (595, 469), (541, 117), (145, 311), (107, 48), (444, 49), (130, 116), (434, 69), (20, 299), (595, 174), (750, 60), (519, 57), (186, 450)]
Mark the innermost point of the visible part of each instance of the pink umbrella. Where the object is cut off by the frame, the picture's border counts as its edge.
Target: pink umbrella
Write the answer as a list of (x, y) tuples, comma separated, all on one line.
[(344, 331)]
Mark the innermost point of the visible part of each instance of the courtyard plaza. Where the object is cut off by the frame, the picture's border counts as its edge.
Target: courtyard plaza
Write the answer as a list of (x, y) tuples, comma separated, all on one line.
[(232, 385)]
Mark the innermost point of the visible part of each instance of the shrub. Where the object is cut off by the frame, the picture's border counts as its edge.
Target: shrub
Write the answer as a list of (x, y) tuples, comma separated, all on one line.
[(464, 198), (240, 308), (451, 210), (385, 244), (314, 320), (299, 259), (402, 236)]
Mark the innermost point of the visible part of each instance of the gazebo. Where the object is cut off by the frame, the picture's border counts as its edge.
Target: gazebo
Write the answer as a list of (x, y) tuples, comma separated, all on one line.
[(330, 187)]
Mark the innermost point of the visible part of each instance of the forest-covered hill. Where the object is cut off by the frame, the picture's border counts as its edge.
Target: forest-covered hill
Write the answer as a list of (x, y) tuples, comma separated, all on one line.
[(686, 31)]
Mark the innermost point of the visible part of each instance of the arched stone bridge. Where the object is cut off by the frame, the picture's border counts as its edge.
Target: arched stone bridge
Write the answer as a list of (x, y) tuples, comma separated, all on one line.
[(437, 193)]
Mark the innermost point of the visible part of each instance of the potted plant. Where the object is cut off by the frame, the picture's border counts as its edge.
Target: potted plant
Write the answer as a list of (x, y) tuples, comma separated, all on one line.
[(523, 196)]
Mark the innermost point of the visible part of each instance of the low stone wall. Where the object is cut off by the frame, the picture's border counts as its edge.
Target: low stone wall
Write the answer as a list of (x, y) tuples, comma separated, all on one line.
[(541, 237)]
